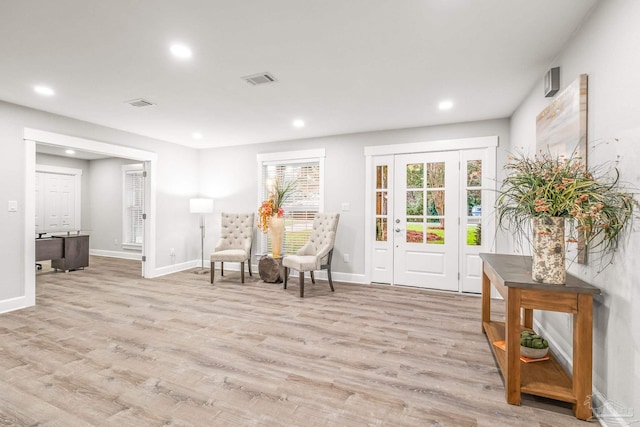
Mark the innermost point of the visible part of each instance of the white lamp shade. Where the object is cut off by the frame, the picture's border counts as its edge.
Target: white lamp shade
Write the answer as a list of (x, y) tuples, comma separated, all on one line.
[(201, 205)]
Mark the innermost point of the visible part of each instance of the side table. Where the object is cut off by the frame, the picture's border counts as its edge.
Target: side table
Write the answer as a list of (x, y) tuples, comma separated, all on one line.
[(270, 269), (509, 276)]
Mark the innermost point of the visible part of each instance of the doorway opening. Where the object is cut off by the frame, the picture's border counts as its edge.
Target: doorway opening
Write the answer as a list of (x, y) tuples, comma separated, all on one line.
[(33, 137)]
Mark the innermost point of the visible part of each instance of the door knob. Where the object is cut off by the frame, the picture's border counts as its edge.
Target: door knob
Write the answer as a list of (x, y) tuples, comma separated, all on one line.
[(398, 221), (398, 230)]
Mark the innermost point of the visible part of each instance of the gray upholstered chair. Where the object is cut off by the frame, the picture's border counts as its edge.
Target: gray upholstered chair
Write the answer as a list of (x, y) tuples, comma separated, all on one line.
[(316, 254), (236, 238)]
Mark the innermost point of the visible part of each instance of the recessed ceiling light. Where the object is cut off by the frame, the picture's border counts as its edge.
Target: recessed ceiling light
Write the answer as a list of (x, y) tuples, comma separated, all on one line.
[(181, 51), (196, 135), (70, 151), (298, 123), (445, 105), (44, 90)]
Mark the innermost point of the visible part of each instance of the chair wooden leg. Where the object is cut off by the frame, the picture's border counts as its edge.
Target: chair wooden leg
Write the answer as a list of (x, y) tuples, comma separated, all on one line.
[(286, 275), (222, 268), (301, 284), (313, 279), (242, 272), (213, 269), (250, 274), (329, 276)]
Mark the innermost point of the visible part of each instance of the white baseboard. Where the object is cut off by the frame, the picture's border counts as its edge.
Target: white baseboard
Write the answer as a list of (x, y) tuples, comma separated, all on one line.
[(116, 254), (610, 413), (320, 274), (607, 412), (174, 268), (13, 304), (336, 276)]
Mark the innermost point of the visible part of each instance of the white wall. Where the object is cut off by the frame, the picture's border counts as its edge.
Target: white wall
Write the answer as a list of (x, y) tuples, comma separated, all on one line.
[(105, 204), (176, 183), (230, 176), (607, 48)]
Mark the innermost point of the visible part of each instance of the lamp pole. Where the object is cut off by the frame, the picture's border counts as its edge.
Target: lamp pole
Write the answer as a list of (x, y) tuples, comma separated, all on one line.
[(201, 206)]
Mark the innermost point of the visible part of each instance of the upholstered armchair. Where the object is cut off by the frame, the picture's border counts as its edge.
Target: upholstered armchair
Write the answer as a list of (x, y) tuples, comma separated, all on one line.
[(316, 254), (236, 238)]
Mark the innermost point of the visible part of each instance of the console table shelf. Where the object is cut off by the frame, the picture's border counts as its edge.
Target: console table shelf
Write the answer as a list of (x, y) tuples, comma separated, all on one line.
[(546, 378), (510, 276)]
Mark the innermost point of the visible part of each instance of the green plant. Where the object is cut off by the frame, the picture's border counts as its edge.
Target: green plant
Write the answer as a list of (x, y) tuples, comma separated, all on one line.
[(532, 340), (558, 186)]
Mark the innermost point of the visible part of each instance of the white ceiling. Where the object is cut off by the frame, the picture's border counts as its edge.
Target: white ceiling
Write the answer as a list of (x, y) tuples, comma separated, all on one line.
[(343, 66)]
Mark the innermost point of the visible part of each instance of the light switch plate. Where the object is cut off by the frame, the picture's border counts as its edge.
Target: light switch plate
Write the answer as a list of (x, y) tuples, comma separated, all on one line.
[(13, 206)]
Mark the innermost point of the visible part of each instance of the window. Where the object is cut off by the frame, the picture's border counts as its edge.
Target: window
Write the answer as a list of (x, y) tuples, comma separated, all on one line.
[(306, 168), (133, 206)]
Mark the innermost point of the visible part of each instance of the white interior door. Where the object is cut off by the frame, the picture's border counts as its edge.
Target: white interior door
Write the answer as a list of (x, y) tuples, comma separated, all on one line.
[(57, 210), (57, 199), (426, 220)]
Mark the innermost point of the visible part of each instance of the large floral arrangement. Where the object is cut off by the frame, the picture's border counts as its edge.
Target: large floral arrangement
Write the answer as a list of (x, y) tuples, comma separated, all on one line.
[(560, 186), (278, 195)]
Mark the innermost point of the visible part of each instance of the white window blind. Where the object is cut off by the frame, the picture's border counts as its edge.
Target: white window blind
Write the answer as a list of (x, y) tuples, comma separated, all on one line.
[(302, 205), (133, 205)]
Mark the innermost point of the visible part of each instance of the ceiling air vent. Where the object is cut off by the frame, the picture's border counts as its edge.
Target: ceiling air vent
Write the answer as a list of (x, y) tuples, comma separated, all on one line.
[(140, 102), (260, 78)]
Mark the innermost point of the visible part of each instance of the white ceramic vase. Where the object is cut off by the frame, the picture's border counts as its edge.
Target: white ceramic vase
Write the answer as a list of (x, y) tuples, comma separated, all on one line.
[(548, 251)]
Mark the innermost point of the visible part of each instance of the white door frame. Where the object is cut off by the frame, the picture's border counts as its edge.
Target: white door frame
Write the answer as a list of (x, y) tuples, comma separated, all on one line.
[(33, 136), (488, 142)]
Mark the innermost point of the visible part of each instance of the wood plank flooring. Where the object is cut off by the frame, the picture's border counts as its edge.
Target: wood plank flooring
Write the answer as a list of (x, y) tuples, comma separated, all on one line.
[(105, 347)]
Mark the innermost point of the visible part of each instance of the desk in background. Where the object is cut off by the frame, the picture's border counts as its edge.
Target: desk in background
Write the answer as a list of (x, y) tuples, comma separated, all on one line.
[(69, 252)]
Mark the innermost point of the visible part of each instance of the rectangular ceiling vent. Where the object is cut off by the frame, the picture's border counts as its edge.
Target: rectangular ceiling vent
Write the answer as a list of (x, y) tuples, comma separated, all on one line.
[(260, 78), (140, 102)]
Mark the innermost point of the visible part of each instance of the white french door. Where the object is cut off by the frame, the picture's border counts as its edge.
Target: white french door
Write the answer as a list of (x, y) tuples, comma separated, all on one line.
[(431, 214), (425, 225)]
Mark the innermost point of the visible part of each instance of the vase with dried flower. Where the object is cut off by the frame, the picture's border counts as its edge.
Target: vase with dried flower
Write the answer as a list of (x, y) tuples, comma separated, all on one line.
[(550, 191), (271, 213)]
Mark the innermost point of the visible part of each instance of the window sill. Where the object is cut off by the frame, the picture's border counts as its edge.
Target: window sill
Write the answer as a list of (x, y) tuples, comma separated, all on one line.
[(132, 246)]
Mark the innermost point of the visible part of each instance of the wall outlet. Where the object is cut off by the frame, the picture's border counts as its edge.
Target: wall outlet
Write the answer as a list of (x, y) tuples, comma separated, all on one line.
[(12, 206), (346, 207), (345, 257)]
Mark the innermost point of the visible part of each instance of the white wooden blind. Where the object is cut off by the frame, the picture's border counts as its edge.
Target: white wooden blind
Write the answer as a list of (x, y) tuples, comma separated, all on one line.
[(302, 205), (133, 205)]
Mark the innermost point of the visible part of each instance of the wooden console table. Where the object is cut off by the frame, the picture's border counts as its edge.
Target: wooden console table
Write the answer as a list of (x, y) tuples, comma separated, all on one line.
[(511, 276)]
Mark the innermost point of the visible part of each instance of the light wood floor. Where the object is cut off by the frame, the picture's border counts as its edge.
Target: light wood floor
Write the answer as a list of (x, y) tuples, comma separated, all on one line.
[(105, 347)]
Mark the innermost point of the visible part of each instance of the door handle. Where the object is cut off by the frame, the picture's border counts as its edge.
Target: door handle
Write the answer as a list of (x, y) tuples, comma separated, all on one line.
[(398, 230)]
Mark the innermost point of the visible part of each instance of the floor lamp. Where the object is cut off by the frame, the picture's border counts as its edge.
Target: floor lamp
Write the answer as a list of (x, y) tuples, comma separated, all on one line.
[(201, 206)]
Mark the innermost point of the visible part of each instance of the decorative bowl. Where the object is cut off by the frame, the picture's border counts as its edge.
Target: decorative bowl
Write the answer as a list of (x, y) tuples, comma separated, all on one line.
[(533, 353)]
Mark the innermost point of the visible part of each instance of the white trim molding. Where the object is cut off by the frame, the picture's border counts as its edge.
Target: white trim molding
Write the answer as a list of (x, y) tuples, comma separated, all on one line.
[(92, 146), (136, 256), (430, 146), (148, 158), (285, 156)]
